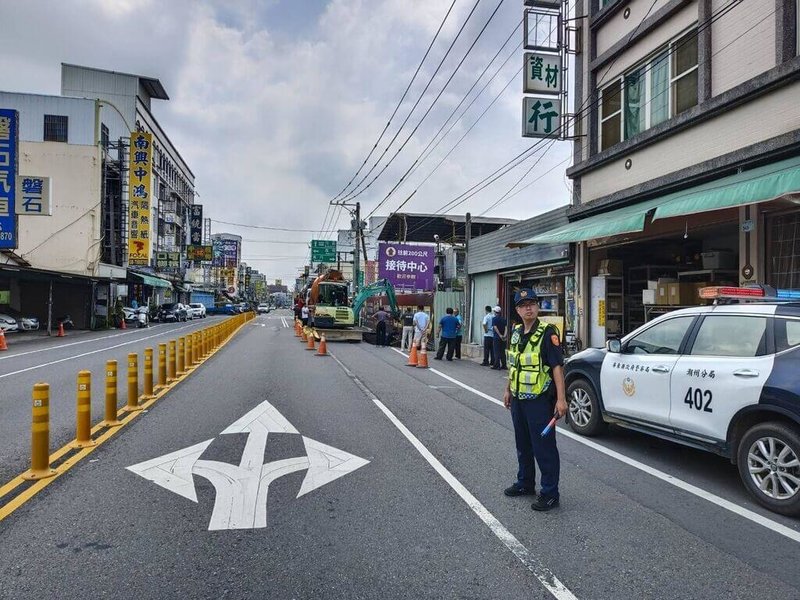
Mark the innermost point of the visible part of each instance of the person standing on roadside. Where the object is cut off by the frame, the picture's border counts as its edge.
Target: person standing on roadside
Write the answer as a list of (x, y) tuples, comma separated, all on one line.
[(448, 327), (381, 317), (488, 338), (421, 322), (499, 331), (408, 330), (304, 315), (535, 393), (459, 333)]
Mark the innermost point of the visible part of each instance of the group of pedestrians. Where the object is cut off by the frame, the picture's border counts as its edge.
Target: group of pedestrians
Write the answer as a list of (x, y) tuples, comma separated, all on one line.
[(415, 328), (495, 334)]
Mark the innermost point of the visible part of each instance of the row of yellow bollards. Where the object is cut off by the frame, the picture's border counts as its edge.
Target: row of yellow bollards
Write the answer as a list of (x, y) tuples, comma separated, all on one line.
[(175, 359)]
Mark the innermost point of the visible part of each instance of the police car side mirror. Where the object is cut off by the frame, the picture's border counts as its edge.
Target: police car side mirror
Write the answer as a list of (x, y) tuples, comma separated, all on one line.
[(614, 346)]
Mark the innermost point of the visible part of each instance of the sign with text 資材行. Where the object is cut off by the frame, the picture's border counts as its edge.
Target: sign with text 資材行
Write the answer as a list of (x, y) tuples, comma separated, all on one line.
[(406, 266), (543, 73), (139, 197)]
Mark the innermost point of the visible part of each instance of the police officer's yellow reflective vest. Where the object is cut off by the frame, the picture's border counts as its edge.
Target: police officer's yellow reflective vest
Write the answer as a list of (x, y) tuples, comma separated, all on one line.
[(528, 375)]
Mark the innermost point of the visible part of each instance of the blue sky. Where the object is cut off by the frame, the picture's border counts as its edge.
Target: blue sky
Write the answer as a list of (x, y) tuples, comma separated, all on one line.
[(292, 95)]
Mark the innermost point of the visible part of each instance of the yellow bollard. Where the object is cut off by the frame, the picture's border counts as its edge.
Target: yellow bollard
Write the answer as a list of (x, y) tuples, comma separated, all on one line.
[(111, 396), (171, 362), (40, 434), (83, 433), (162, 365), (133, 383), (180, 369), (148, 374), (189, 360)]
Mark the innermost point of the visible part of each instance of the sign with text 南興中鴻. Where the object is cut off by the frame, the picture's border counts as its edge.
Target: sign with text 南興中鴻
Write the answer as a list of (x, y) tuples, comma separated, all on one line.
[(34, 196), (139, 194), (9, 145), (406, 266), (323, 251)]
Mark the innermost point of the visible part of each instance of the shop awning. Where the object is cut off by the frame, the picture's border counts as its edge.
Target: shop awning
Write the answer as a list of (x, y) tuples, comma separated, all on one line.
[(623, 220), (749, 187), (152, 281)]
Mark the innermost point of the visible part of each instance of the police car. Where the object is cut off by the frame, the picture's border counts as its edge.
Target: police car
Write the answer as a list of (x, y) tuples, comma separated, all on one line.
[(723, 377)]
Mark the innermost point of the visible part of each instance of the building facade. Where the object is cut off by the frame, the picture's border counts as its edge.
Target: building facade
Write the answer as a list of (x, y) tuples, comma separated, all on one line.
[(687, 167)]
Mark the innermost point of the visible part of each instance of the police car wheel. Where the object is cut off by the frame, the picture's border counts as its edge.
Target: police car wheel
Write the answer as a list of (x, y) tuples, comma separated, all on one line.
[(583, 414), (769, 465)]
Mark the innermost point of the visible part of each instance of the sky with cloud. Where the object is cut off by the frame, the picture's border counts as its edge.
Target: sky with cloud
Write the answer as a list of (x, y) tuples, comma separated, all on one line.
[(275, 104)]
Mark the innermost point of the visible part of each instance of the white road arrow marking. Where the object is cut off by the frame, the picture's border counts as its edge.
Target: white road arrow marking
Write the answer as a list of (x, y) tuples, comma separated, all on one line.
[(241, 490)]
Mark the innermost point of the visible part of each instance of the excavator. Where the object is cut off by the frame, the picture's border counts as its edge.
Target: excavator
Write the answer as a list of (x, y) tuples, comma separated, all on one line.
[(328, 304)]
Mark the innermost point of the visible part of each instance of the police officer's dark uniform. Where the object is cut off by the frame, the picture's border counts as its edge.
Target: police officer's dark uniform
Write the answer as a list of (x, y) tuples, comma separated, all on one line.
[(531, 359)]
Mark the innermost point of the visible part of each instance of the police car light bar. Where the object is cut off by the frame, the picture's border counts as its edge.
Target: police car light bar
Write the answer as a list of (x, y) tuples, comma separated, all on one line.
[(731, 292)]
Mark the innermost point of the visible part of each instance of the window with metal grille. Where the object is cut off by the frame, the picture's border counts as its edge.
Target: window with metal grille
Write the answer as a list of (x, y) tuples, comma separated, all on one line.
[(104, 135), (55, 128), (784, 250)]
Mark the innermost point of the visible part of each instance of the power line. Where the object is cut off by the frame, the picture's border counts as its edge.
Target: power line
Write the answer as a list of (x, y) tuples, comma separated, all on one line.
[(413, 108), (263, 227), (400, 102)]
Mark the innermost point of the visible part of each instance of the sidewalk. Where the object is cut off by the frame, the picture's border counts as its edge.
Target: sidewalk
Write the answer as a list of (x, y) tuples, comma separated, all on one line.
[(32, 339)]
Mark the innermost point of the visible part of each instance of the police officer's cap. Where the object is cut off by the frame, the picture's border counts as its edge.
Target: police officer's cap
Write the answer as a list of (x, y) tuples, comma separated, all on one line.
[(525, 294)]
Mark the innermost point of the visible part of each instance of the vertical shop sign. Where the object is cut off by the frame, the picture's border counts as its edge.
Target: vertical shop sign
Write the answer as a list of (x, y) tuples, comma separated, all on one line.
[(139, 186), (196, 225), (9, 146)]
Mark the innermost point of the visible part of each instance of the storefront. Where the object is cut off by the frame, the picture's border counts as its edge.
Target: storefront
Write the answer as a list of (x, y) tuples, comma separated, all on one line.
[(640, 261)]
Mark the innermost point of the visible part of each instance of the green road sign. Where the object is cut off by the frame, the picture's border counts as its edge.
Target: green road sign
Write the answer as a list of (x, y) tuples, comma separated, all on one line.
[(323, 250)]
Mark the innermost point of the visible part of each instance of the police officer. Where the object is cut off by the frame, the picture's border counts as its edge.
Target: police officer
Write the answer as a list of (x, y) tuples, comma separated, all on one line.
[(535, 393)]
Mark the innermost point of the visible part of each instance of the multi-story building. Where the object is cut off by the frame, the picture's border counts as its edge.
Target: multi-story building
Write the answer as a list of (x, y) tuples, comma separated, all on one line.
[(687, 161), (80, 141)]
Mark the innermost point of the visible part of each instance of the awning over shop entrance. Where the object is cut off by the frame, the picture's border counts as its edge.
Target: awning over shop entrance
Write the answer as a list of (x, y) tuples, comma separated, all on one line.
[(623, 220), (152, 281), (749, 187)]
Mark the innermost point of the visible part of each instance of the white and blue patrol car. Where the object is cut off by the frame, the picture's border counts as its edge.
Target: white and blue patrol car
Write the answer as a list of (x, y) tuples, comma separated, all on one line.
[(723, 377)]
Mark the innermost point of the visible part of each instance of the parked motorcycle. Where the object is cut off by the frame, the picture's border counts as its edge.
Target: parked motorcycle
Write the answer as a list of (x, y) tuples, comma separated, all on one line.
[(66, 321), (142, 317)]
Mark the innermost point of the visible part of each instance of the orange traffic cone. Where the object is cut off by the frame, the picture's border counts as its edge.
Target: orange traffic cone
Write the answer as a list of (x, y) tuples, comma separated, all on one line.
[(310, 342), (323, 347), (61, 330), (296, 328), (123, 325), (3, 345), (423, 358), (412, 358), (303, 337)]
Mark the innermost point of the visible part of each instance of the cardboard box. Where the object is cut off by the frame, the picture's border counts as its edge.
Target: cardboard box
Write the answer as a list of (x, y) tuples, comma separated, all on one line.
[(610, 266), (719, 259), (662, 293), (649, 296), (680, 294)]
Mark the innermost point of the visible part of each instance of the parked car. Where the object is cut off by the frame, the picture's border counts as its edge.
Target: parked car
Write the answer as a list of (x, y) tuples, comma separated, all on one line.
[(263, 308), (24, 322), (722, 378), (172, 311), (223, 309), (197, 310), (8, 323)]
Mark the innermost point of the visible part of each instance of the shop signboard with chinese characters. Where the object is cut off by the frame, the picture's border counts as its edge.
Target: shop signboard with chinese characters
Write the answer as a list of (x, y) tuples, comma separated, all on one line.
[(406, 266), (226, 253), (9, 145), (168, 261), (196, 225), (541, 117), (200, 253), (543, 73), (34, 196), (139, 177)]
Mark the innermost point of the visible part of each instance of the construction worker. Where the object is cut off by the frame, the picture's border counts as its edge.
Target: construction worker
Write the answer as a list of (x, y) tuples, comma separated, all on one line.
[(535, 393)]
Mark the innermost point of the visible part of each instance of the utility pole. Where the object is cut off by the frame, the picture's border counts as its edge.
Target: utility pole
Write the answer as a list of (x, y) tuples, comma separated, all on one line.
[(467, 286), (357, 254)]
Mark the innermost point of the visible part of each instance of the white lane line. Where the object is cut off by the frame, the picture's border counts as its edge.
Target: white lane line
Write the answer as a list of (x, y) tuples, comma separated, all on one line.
[(666, 477), (100, 339), (546, 577), (55, 362)]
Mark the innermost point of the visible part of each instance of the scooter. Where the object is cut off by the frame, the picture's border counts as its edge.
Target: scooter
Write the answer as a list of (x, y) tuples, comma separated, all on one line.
[(141, 317), (66, 321)]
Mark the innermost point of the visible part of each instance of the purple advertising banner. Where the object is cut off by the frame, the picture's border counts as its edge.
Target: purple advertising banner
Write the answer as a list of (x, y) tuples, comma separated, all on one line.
[(406, 266)]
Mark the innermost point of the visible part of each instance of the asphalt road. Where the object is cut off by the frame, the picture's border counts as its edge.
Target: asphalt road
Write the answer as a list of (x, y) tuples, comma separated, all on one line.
[(423, 518)]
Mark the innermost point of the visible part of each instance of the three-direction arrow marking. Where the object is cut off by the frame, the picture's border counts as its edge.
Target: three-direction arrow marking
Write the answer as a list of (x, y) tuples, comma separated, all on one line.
[(241, 490)]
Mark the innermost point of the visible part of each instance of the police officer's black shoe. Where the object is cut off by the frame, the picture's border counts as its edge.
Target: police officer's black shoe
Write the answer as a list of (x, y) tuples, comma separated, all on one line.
[(544, 503), (515, 490)]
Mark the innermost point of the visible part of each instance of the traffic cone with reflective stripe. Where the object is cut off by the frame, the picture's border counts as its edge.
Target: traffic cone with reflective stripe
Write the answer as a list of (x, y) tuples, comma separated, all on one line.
[(122, 325), (61, 331), (310, 341), (423, 358), (323, 347), (296, 328), (303, 337), (412, 358), (3, 345)]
